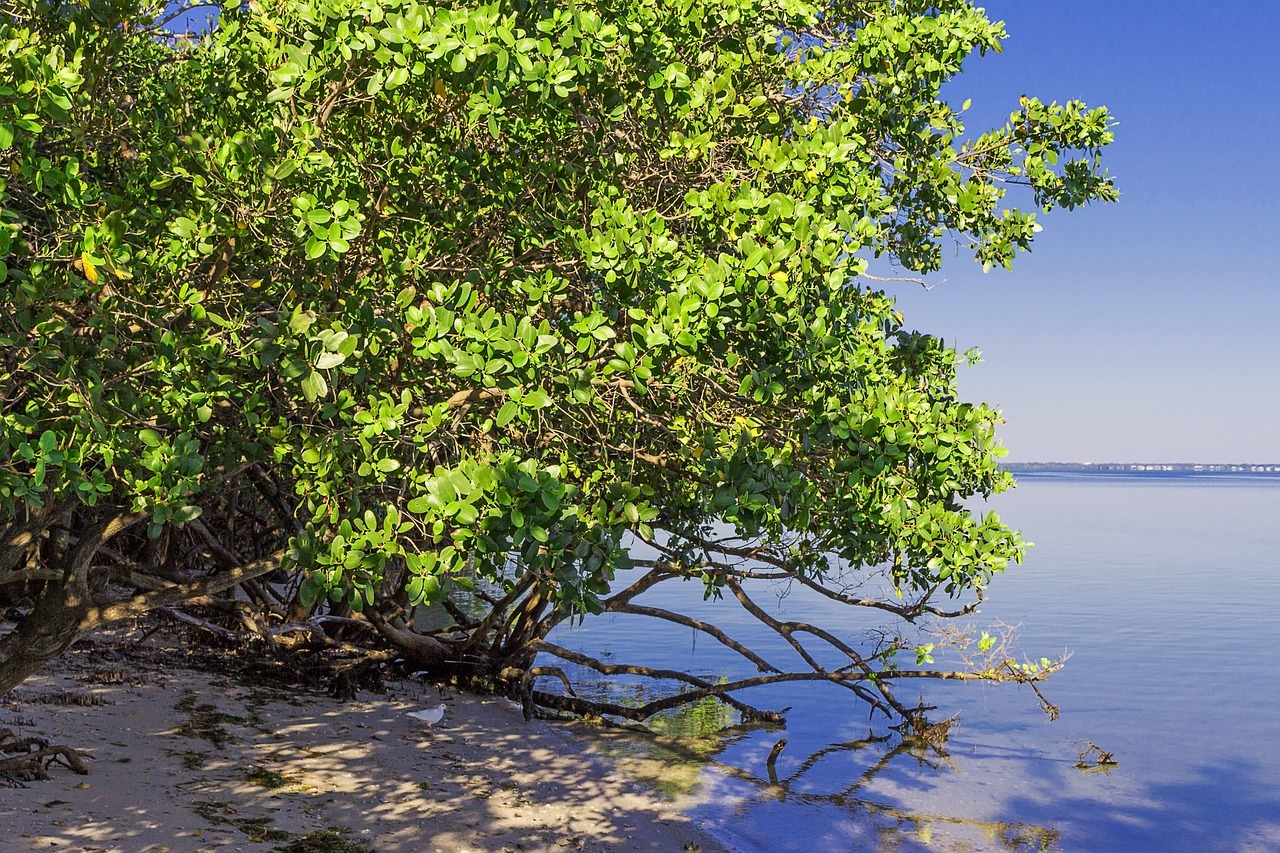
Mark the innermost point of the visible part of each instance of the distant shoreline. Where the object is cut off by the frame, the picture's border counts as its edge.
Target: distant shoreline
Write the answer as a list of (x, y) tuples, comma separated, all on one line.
[(1191, 469)]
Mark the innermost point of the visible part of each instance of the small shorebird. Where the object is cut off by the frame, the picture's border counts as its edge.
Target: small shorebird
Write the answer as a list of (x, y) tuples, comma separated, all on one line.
[(430, 716)]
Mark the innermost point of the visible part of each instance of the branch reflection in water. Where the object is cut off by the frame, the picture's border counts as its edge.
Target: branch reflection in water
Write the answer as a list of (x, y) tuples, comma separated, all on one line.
[(678, 755)]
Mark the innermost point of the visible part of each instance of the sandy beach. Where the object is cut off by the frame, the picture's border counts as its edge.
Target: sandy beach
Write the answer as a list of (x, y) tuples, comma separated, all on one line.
[(187, 760)]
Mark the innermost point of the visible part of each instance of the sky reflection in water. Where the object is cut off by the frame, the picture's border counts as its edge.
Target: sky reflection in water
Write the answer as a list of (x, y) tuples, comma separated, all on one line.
[(1164, 591)]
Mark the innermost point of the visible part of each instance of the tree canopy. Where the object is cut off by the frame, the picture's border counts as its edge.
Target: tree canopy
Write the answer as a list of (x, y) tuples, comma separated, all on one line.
[(456, 304)]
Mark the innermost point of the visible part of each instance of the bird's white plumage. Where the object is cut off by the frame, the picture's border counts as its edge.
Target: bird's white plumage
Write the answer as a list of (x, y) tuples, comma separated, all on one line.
[(431, 716)]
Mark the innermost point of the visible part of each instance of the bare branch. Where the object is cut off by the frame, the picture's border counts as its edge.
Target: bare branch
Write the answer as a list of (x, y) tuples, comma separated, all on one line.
[(696, 624), (174, 594)]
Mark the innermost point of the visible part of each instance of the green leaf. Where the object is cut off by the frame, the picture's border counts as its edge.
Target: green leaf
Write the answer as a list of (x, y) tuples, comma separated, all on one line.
[(508, 411), (309, 592), (537, 399), (150, 438), (186, 513), (300, 321), (314, 386)]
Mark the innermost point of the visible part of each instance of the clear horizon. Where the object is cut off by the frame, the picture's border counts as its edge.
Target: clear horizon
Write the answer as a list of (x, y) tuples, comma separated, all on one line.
[(1251, 462)]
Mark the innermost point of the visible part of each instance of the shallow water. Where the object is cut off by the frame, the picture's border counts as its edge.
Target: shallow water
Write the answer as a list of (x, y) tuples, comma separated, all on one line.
[(1166, 593)]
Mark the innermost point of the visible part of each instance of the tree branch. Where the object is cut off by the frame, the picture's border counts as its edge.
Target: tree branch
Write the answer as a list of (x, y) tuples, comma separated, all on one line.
[(174, 594)]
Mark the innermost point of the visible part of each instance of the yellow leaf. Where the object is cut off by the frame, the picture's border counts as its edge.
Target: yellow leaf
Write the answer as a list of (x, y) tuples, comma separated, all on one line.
[(440, 89), (90, 271), (123, 275)]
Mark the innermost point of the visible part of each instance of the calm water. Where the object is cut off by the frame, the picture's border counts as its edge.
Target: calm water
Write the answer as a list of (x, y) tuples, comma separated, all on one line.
[(1166, 593)]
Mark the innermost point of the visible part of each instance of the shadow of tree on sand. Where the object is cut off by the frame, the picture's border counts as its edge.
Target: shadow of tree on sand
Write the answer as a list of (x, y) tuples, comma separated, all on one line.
[(189, 761)]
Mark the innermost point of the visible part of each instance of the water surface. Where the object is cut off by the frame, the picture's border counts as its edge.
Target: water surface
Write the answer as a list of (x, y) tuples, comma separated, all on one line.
[(1164, 591)]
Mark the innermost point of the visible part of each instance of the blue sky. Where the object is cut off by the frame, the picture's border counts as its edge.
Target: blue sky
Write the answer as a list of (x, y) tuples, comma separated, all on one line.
[(1148, 330)]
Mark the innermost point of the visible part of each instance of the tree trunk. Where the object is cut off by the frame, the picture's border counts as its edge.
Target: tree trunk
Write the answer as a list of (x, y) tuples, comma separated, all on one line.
[(56, 620), (42, 635)]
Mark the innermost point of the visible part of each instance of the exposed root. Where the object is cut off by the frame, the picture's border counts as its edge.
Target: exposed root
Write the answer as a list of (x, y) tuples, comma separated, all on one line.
[(492, 636), (34, 756)]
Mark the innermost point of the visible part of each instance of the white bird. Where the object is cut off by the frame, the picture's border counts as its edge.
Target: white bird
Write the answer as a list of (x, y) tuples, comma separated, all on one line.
[(431, 716)]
